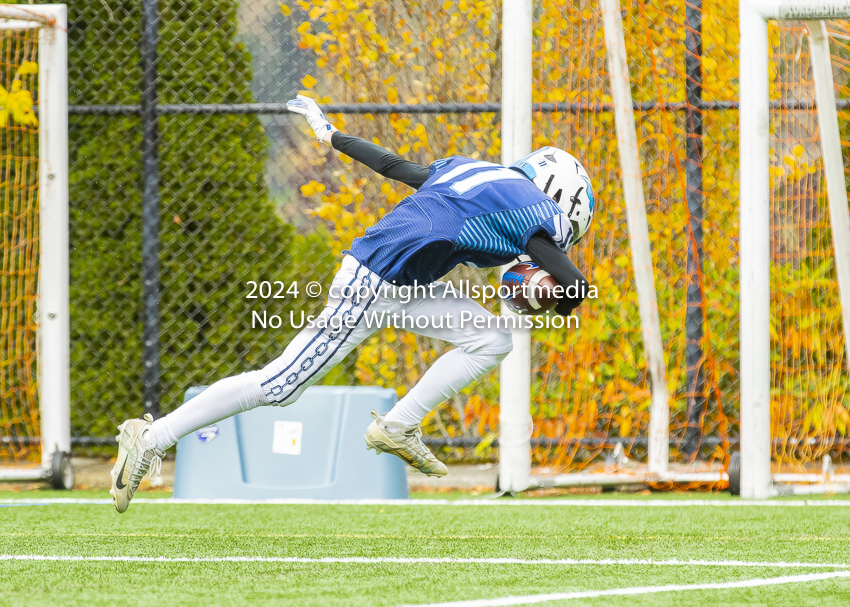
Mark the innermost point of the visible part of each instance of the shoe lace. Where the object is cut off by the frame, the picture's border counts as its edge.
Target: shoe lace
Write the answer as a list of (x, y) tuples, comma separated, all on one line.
[(150, 462), (415, 444), (155, 469)]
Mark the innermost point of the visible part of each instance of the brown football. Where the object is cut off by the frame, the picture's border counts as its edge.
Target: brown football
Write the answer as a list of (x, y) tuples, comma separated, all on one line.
[(532, 289)]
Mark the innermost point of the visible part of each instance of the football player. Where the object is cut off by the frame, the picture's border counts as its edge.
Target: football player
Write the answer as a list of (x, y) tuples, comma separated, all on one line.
[(464, 211)]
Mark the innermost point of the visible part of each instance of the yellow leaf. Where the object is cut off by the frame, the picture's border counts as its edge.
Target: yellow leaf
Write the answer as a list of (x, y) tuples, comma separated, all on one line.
[(285, 9), (302, 29), (28, 67), (17, 104), (308, 81), (798, 150)]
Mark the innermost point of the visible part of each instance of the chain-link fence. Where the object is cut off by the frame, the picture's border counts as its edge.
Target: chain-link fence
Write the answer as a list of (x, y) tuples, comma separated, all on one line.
[(179, 132), (184, 107)]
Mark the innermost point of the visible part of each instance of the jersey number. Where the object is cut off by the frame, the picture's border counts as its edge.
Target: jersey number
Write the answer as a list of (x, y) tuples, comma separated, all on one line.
[(462, 186)]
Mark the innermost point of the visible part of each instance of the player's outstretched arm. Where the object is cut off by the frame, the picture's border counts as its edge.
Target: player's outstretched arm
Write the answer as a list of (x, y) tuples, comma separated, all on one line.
[(381, 161), (546, 254), (375, 157)]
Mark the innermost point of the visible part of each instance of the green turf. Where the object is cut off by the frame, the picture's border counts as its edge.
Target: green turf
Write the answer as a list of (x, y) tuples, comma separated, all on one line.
[(817, 534)]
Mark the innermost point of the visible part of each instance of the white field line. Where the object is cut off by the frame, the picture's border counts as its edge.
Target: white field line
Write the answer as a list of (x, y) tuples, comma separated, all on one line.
[(584, 503), (586, 594), (417, 561)]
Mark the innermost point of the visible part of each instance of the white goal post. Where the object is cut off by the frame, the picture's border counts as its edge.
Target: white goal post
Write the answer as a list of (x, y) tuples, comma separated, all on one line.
[(53, 286), (515, 371), (756, 478), (515, 401)]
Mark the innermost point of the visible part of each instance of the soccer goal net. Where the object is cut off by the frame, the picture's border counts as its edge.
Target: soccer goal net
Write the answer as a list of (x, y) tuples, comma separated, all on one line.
[(34, 327), (652, 387)]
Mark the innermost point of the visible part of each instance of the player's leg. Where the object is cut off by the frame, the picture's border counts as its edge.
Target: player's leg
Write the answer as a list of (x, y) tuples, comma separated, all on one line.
[(312, 353), (481, 346), (482, 342)]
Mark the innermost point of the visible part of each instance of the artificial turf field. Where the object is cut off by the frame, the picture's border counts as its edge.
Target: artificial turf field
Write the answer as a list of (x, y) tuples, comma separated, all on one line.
[(622, 549)]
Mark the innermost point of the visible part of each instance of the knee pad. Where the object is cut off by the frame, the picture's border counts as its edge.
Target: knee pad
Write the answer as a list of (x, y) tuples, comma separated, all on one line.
[(501, 356), (500, 343), (491, 343), (483, 362)]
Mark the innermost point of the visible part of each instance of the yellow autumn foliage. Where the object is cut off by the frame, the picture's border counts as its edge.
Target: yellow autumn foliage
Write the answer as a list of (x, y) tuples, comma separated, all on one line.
[(17, 105), (589, 386)]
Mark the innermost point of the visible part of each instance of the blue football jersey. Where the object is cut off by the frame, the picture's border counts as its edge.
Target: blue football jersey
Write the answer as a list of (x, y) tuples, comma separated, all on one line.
[(468, 212)]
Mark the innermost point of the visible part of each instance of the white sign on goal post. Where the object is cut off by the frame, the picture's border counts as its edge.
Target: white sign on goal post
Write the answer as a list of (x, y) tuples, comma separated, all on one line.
[(756, 479), (53, 286)]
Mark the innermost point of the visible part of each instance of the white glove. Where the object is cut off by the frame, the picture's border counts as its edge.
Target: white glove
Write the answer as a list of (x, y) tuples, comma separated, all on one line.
[(315, 118)]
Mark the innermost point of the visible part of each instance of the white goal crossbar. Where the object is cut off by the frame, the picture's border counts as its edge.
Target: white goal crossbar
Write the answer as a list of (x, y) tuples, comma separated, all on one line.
[(53, 285)]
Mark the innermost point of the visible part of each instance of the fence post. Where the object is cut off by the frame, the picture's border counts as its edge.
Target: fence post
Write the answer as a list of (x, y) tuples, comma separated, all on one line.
[(150, 206), (694, 358), (515, 371)]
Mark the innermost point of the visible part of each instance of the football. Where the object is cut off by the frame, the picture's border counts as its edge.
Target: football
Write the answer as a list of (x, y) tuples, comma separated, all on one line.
[(528, 289)]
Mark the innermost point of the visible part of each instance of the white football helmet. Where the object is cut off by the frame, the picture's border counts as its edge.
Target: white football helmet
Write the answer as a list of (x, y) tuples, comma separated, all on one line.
[(561, 176)]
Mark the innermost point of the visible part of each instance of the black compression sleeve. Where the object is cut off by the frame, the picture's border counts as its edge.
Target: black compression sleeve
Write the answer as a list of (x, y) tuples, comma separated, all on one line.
[(380, 160), (546, 254)]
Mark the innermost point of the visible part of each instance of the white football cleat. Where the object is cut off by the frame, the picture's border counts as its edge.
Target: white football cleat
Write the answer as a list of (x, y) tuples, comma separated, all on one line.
[(404, 442), (137, 454)]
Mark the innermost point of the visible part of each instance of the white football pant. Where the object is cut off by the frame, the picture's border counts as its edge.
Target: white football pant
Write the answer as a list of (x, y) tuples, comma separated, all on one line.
[(358, 300)]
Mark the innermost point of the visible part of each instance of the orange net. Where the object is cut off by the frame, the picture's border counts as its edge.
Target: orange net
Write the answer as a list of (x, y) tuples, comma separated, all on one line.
[(590, 388), (19, 245), (594, 387), (809, 380)]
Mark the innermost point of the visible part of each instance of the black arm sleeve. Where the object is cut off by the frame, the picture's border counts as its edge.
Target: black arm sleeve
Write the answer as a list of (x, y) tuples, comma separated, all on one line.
[(546, 254), (380, 160)]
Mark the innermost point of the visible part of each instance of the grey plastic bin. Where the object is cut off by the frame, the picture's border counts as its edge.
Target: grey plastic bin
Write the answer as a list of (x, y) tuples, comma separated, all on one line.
[(311, 449)]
